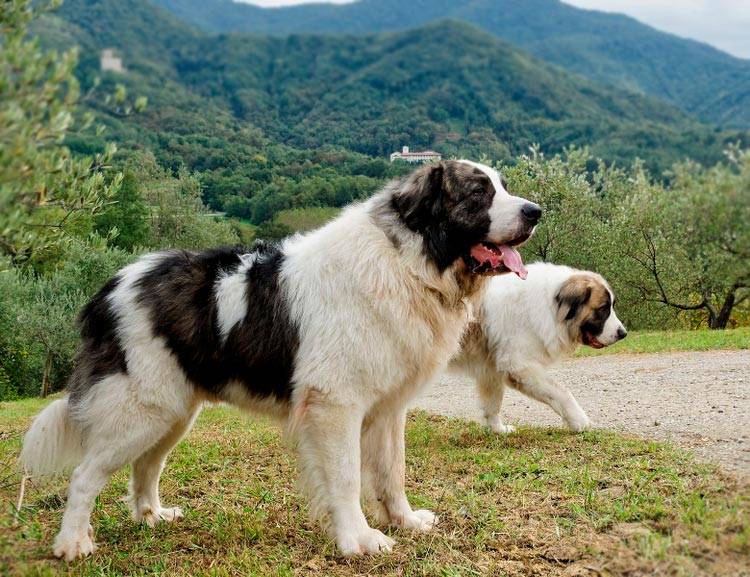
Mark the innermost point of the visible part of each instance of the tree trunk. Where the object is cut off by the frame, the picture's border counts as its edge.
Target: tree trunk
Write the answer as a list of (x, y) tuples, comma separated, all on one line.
[(721, 319), (45, 376)]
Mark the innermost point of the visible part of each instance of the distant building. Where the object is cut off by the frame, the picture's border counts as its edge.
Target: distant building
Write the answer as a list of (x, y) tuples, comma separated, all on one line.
[(108, 61), (424, 156)]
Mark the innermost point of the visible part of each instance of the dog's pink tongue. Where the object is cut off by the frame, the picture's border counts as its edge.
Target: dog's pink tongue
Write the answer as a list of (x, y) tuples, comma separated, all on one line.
[(513, 261)]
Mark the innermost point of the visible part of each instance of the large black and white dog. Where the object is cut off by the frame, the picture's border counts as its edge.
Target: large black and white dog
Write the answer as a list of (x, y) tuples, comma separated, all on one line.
[(333, 332)]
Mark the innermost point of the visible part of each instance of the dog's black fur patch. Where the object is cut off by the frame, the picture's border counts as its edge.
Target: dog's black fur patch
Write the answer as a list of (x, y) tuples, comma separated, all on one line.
[(594, 324), (574, 300), (261, 350), (448, 205), (99, 353), (180, 293), (586, 302)]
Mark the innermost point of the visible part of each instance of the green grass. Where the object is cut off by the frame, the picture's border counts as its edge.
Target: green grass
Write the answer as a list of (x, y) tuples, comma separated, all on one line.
[(304, 219), (672, 341), (540, 502), (245, 230)]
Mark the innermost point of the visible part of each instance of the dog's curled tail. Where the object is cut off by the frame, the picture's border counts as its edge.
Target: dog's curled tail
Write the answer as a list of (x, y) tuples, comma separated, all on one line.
[(53, 443)]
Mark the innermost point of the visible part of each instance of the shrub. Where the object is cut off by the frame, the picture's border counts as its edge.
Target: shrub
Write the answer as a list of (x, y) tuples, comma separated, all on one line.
[(38, 334)]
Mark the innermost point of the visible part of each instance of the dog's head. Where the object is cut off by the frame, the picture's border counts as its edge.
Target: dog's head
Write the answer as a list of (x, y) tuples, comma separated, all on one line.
[(586, 305), (463, 211)]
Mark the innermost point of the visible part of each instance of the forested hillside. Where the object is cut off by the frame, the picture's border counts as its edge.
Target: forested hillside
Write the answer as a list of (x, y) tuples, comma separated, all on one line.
[(447, 86), (261, 118), (607, 48), (242, 168)]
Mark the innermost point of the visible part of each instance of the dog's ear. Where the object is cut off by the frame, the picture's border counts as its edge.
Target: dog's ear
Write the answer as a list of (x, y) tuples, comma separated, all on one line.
[(574, 293), (421, 204)]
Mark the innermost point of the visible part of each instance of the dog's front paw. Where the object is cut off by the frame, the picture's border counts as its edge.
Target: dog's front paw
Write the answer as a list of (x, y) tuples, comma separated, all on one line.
[(422, 520), (367, 542), (578, 422), (70, 546)]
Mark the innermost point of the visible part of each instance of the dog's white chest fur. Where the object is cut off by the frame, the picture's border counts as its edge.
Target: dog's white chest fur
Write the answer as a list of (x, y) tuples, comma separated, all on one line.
[(372, 299)]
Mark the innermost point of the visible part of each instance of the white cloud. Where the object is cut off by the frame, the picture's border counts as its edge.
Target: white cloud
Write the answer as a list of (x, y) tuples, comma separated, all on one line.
[(722, 23)]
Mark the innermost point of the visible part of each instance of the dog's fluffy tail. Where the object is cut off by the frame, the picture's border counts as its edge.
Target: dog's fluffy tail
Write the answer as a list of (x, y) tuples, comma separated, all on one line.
[(53, 444)]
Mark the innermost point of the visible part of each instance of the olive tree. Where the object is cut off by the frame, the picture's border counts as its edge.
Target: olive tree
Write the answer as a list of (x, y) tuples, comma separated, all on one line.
[(687, 245), (568, 231), (46, 195), (675, 253)]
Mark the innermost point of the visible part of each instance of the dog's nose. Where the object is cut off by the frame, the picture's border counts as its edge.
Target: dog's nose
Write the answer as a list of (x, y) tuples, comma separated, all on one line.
[(621, 333), (531, 212)]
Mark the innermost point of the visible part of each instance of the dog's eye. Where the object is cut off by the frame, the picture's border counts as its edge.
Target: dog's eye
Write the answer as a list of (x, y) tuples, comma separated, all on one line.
[(480, 191)]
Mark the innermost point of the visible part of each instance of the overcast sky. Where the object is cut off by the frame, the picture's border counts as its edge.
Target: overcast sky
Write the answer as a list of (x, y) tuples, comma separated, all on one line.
[(723, 23)]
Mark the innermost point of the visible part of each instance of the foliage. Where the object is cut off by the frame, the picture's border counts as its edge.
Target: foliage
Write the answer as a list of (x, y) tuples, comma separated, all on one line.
[(178, 218), (498, 100), (317, 191), (246, 232), (607, 48), (273, 230), (47, 197), (59, 211), (38, 335), (294, 220), (570, 230), (126, 218), (304, 219), (689, 243), (684, 244), (244, 111)]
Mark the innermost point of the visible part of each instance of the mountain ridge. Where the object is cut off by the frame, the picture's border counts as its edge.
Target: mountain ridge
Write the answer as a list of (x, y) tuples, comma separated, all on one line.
[(472, 93), (607, 48)]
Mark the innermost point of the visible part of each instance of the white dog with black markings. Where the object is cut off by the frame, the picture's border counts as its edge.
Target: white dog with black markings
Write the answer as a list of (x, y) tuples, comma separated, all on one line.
[(523, 327), (333, 332)]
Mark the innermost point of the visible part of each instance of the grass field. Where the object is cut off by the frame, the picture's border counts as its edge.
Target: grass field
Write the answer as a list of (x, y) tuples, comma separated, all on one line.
[(672, 341), (304, 219), (540, 502)]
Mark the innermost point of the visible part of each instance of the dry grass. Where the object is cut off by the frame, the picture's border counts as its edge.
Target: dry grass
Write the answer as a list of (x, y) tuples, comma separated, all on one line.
[(541, 502)]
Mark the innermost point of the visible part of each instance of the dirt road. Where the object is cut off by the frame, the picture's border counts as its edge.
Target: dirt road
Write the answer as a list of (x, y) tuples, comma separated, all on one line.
[(700, 401)]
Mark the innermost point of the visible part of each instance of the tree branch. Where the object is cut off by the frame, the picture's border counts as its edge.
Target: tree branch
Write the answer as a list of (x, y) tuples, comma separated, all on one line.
[(653, 268)]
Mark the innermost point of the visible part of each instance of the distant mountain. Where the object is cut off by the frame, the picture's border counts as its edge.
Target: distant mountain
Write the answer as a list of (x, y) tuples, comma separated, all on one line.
[(448, 86), (607, 48)]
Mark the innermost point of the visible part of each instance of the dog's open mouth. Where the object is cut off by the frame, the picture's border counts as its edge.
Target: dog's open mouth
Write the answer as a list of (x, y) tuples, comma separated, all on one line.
[(592, 341), (489, 258)]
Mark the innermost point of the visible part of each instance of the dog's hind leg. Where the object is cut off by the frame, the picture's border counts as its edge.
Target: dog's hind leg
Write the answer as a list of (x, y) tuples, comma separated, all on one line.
[(144, 481), (383, 470), (117, 427), (491, 387), (535, 383), (76, 536), (104, 456)]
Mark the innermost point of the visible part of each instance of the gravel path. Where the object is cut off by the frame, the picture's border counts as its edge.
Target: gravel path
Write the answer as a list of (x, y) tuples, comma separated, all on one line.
[(699, 400)]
